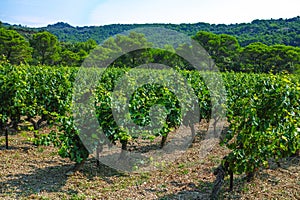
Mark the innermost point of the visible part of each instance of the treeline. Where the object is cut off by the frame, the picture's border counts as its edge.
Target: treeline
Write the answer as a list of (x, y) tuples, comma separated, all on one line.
[(44, 48), (269, 32), (255, 57)]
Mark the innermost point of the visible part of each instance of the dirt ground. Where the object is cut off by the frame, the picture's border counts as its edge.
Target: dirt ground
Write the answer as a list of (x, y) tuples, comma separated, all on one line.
[(31, 172)]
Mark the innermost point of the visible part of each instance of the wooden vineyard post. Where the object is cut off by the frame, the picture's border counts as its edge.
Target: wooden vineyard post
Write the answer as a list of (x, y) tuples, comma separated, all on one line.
[(6, 138), (231, 181)]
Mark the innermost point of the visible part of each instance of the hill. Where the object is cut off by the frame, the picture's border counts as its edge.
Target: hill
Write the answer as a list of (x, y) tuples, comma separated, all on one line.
[(270, 32)]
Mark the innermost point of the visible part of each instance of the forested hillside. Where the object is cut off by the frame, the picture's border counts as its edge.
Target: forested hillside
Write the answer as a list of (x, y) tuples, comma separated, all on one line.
[(269, 32), (44, 48)]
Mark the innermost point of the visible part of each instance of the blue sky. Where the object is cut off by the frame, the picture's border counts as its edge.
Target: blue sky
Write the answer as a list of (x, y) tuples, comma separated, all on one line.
[(37, 13)]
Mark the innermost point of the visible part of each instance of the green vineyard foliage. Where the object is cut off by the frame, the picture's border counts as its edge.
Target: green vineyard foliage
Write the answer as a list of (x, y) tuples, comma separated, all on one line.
[(263, 110)]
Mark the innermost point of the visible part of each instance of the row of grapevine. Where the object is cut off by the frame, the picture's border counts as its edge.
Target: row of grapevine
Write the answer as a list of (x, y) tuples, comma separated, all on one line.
[(263, 110), (137, 103), (37, 93)]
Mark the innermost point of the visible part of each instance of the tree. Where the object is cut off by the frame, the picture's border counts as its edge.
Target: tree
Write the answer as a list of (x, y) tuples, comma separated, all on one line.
[(258, 57), (209, 41), (121, 51), (46, 48), (136, 41), (228, 53), (254, 56), (14, 47), (284, 58), (86, 46), (73, 54), (222, 48), (69, 58)]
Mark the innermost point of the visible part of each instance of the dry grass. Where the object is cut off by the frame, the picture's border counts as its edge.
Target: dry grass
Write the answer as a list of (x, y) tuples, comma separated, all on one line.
[(29, 172)]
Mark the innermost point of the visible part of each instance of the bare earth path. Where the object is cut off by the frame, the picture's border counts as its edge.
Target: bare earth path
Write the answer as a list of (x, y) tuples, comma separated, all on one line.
[(29, 172)]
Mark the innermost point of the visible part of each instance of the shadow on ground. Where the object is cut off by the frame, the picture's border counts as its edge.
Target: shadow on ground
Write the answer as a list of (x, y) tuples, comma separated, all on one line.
[(50, 179)]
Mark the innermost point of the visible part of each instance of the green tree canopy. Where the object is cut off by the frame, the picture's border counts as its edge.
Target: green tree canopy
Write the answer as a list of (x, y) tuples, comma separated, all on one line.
[(46, 48), (222, 48), (14, 47), (73, 54), (284, 57), (253, 57), (258, 57), (121, 46)]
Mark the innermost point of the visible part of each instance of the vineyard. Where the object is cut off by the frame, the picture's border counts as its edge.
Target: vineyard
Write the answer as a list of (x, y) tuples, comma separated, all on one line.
[(262, 112)]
